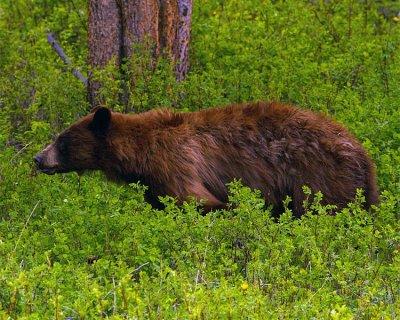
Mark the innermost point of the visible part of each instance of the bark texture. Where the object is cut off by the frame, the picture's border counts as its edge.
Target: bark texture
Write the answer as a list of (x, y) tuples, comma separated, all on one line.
[(183, 38), (104, 34), (116, 25)]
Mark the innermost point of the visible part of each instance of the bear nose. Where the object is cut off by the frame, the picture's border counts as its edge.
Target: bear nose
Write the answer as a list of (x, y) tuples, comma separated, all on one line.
[(38, 160)]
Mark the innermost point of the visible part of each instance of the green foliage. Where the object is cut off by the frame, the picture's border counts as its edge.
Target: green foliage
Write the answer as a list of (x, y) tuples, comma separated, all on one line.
[(79, 248)]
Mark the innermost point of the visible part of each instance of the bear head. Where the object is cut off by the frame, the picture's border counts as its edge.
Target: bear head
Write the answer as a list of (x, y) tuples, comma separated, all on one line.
[(79, 147)]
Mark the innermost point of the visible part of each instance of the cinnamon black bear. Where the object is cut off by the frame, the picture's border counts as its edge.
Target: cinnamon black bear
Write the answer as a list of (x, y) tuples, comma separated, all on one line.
[(269, 146)]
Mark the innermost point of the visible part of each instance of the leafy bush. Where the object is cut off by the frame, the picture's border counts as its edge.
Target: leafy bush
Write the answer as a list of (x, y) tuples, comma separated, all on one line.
[(77, 248)]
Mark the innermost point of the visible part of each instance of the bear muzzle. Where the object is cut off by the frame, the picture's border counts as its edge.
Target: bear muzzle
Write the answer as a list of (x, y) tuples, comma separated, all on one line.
[(47, 161)]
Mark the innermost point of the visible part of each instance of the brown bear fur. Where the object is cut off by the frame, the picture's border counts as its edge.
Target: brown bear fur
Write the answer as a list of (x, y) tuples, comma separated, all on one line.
[(271, 147)]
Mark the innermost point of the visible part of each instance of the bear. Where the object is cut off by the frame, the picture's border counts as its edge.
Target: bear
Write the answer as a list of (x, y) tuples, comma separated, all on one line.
[(273, 147)]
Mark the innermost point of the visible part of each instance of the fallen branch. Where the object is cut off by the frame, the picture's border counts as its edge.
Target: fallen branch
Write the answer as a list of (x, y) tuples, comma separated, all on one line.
[(57, 48)]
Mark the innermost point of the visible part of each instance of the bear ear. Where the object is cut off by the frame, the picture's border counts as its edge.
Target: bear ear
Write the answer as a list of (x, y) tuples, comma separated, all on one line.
[(101, 121)]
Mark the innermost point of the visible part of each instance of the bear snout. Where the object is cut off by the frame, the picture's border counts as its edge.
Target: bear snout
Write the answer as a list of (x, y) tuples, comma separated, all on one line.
[(40, 165), (38, 159), (47, 160)]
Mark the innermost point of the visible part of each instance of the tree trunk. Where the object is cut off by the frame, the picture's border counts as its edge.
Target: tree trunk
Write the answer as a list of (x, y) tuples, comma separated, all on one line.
[(116, 25), (181, 50), (104, 34)]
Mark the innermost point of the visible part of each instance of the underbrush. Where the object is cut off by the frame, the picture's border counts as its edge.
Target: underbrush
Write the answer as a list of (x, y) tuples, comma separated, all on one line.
[(75, 248), (79, 248)]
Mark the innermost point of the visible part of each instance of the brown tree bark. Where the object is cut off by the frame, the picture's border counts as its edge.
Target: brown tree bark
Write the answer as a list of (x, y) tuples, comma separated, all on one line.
[(181, 49), (104, 34), (116, 25)]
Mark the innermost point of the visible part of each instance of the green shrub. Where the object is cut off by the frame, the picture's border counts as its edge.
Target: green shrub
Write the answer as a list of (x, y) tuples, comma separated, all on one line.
[(80, 247)]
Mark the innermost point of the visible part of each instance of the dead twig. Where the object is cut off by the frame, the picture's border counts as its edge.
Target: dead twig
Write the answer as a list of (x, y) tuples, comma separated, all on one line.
[(57, 48)]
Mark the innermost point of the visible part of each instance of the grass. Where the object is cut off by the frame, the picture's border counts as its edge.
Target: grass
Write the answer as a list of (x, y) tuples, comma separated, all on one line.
[(80, 247)]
